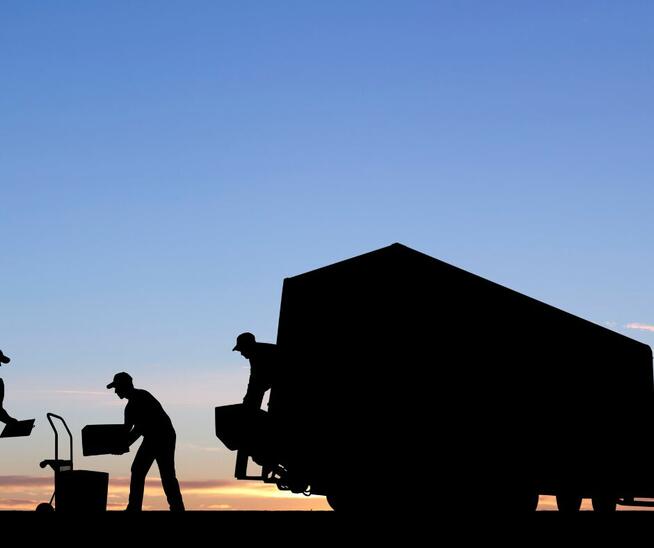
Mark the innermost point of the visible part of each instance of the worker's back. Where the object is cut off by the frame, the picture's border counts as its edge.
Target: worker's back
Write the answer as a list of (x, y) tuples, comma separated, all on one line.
[(145, 412)]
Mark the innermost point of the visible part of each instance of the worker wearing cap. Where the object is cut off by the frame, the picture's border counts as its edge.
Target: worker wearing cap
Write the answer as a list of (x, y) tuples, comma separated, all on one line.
[(264, 364), (145, 417), (4, 416)]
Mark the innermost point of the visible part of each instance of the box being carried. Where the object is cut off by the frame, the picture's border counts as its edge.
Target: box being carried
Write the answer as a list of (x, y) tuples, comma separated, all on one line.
[(18, 428), (105, 439)]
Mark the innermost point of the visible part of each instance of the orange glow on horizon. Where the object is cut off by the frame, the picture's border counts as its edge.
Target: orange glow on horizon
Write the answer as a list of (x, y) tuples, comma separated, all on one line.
[(26, 492)]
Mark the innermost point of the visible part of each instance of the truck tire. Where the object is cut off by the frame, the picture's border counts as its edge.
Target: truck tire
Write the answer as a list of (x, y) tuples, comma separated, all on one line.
[(568, 502), (341, 503), (530, 501), (332, 499), (518, 501), (604, 503)]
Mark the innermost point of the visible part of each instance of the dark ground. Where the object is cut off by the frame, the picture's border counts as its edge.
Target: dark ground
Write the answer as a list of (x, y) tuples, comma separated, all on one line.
[(233, 528)]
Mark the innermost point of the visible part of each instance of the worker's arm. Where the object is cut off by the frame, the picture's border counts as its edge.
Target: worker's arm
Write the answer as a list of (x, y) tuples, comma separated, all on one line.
[(134, 430), (4, 416), (253, 398), (255, 392), (134, 434)]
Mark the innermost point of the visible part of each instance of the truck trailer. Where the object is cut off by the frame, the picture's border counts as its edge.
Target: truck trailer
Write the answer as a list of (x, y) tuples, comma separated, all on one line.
[(405, 378)]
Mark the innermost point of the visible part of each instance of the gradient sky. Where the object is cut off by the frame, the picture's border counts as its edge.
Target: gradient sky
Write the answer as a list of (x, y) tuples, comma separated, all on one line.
[(165, 164)]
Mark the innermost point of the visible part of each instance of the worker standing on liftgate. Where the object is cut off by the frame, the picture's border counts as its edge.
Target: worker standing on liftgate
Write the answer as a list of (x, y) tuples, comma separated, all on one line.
[(264, 364), (145, 417), (4, 416)]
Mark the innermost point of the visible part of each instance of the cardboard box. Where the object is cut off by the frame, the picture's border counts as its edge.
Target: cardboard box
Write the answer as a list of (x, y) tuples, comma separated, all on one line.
[(105, 439)]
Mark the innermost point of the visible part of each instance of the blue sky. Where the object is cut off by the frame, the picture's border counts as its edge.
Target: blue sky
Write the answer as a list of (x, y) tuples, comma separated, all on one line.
[(164, 165)]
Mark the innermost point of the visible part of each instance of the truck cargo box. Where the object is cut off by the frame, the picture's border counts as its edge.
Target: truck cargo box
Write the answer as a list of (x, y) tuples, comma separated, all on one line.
[(398, 365)]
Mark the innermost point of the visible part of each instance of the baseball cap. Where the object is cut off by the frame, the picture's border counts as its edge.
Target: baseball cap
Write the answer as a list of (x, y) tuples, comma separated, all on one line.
[(244, 340), (121, 378)]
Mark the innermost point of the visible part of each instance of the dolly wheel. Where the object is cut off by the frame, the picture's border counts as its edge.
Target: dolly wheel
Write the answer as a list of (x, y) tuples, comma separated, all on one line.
[(44, 508)]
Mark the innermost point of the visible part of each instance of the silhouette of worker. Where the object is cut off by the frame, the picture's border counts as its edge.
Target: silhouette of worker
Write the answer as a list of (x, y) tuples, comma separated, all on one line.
[(264, 363), (4, 416), (145, 417)]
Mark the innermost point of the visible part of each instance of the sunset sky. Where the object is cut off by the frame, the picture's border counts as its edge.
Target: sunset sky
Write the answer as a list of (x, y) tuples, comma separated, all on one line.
[(165, 164)]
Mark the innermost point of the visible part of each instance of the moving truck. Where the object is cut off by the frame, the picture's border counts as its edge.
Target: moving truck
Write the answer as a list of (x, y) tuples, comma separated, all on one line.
[(406, 377)]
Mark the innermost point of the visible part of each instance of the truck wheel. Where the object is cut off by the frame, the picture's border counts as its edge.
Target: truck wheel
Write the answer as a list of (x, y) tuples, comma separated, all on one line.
[(340, 503), (530, 502), (604, 503), (568, 503), (332, 499), (517, 501)]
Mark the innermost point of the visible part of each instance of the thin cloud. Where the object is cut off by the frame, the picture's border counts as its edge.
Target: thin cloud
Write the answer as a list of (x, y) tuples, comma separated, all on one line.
[(640, 326), (93, 393), (219, 488), (20, 504), (197, 485), (203, 448), (82, 393), (25, 481), (98, 398)]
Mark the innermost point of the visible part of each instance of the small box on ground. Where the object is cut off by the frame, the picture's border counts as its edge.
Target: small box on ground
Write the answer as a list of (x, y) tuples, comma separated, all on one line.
[(105, 439)]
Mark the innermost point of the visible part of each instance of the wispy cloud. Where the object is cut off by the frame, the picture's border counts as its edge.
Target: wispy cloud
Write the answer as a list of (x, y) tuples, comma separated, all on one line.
[(93, 393), (95, 397), (20, 504), (190, 485), (203, 448), (230, 487), (641, 326), (25, 481)]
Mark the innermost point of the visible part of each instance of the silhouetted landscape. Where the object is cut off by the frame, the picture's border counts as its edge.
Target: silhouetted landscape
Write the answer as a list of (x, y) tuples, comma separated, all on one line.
[(386, 263)]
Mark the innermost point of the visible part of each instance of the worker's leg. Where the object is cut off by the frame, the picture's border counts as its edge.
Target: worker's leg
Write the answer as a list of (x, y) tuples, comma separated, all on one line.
[(166, 462), (140, 468), (242, 458)]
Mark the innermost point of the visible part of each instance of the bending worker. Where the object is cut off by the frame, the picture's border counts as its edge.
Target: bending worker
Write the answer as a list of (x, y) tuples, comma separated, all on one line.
[(145, 417), (4, 416), (264, 363)]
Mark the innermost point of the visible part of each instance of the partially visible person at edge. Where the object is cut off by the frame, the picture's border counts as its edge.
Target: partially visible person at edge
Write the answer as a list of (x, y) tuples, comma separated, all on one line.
[(144, 416), (4, 416)]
